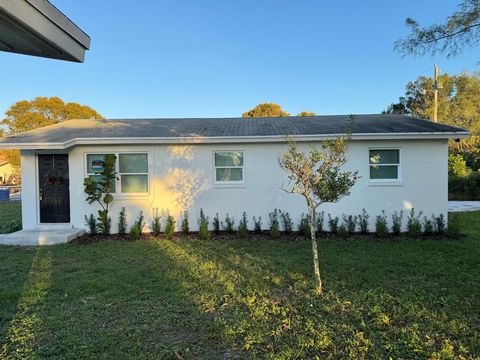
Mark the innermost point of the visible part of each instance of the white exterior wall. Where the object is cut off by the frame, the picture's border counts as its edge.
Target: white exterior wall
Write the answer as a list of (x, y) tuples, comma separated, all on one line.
[(423, 170)]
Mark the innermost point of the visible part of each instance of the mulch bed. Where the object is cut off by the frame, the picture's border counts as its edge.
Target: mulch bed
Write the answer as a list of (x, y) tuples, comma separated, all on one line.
[(264, 236)]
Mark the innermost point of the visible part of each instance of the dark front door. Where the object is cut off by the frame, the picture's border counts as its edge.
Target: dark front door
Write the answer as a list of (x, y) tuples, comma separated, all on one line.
[(54, 188)]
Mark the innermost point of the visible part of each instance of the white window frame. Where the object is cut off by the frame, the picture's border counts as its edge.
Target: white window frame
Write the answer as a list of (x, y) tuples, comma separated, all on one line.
[(398, 180), (228, 183), (118, 182)]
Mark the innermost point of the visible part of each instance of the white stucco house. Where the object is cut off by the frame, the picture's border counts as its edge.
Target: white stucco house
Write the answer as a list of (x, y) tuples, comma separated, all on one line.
[(227, 165)]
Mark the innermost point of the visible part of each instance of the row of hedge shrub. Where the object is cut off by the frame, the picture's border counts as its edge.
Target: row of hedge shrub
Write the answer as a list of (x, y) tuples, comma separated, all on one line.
[(464, 187), (280, 222)]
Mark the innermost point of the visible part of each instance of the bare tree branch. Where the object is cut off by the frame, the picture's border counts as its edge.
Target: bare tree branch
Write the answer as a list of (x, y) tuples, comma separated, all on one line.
[(460, 30)]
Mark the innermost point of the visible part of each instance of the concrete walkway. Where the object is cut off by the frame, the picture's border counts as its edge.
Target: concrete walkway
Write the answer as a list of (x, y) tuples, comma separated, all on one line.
[(460, 206), (40, 237)]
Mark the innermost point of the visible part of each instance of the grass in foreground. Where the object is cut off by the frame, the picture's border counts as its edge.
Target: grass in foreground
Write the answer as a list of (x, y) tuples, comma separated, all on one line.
[(243, 299), (9, 211)]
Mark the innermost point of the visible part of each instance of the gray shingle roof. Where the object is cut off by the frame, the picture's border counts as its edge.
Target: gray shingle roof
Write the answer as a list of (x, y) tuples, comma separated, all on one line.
[(228, 127)]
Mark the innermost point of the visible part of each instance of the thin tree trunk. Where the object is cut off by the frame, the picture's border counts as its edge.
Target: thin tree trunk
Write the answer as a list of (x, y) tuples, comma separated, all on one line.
[(316, 266)]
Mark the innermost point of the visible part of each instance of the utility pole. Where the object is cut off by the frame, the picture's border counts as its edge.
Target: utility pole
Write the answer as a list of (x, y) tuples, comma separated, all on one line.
[(435, 92)]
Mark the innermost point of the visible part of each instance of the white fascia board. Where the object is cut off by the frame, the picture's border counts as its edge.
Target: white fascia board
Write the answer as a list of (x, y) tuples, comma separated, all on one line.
[(42, 20), (62, 21), (230, 140)]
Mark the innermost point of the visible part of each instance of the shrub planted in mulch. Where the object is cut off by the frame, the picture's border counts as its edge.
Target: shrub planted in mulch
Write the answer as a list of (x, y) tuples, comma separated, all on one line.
[(263, 236)]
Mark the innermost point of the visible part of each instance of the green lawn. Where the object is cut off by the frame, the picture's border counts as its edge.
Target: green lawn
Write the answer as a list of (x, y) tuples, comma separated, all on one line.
[(243, 299), (10, 210)]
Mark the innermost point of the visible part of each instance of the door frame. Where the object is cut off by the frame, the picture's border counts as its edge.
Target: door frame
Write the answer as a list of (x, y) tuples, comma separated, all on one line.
[(37, 192)]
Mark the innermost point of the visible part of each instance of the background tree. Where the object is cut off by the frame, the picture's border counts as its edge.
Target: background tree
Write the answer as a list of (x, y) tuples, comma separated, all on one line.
[(42, 111), (266, 110), (319, 178), (306, 113), (460, 30), (458, 105)]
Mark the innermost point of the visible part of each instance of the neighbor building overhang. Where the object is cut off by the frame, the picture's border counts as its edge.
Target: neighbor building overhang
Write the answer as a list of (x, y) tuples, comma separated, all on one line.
[(36, 27)]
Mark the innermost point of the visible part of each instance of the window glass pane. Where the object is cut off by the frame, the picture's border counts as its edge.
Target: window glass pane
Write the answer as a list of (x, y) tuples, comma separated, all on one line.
[(134, 183), (229, 158), (384, 156), (229, 174), (383, 172), (97, 177), (133, 163), (95, 163)]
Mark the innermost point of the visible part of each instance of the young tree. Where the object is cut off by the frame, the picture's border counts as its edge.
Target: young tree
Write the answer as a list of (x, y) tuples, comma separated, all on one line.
[(100, 191), (460, 30), (266, 110), (318, 176)]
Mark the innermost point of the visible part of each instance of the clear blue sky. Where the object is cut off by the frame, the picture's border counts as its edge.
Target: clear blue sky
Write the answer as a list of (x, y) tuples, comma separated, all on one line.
[(156, 58)]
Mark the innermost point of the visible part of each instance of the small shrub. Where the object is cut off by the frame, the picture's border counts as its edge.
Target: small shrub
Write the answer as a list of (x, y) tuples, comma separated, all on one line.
[(137, 227), (242, 231), (275, 231), (122, 222), (91, 222), (135, 232), (350, 223), (169, 227), (428, 225), (286, 222), (397, 219), (229, 226), (104, 222), (216, 225), (156, 223), (274, 224), (381, 227), (342, 231), (333, 224), (440, 224), (140, 221), (185, 226), (320, 221), (363, 221), (414, 226), (304, 226), (257, 225), (203, 232)]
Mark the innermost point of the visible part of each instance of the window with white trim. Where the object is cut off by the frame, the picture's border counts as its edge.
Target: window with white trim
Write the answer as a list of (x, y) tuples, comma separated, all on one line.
[(384, 164), (229, 166), (131, 168)]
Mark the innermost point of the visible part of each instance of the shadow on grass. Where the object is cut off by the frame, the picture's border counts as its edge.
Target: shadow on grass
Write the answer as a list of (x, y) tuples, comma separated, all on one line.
[(249, 299), (127, 300), (20, 335), (397, 299)]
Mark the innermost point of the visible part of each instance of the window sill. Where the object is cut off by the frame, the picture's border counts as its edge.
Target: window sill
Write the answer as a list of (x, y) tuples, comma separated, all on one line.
[(386, 183), (229, 186)]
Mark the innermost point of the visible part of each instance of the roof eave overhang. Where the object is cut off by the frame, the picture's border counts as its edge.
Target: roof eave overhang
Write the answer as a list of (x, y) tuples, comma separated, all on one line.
[(228, 140), (44, 31)]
